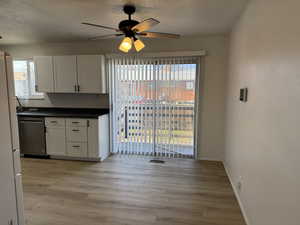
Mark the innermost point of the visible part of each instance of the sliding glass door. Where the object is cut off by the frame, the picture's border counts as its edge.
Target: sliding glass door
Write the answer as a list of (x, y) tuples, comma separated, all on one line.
[(153, 105)]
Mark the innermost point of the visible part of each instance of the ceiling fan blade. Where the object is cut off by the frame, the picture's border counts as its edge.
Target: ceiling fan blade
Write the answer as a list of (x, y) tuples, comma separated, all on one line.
[(105, 37), (158, 35), (105, 27), (145, 25)]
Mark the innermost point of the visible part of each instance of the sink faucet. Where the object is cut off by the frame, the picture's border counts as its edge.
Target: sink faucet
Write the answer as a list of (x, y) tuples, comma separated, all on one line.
[(20, 107)]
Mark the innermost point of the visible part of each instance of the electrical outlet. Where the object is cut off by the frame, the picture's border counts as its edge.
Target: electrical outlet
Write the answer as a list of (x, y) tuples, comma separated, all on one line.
[(244, 94)]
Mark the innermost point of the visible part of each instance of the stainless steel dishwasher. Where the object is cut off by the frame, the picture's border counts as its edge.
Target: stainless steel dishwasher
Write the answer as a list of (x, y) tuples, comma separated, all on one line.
[(32, 135)]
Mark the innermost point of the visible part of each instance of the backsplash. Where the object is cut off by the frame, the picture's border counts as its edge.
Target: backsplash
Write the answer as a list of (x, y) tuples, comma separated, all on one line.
[(69, 101)]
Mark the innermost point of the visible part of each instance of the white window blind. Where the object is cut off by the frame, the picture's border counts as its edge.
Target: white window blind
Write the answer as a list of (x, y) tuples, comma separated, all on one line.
[(153, 105)]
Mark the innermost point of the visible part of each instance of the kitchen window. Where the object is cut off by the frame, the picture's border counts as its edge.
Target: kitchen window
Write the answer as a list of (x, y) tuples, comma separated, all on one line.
[(25, 80)]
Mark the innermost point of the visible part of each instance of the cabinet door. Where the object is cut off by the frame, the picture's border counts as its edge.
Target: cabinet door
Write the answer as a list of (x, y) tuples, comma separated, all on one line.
[(103, 136), (65, 74), (91, 74), (93, 143), (44, 76), (56, 141)]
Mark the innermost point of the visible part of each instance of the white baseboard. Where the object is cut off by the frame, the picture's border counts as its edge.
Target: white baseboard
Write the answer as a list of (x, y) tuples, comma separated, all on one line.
[(209, 159), (237, 195), (75, 158)]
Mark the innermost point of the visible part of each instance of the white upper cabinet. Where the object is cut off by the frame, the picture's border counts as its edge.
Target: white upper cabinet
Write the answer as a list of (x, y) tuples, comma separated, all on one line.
[(71, 74), (44, 76), (91, 74), (65, 74)]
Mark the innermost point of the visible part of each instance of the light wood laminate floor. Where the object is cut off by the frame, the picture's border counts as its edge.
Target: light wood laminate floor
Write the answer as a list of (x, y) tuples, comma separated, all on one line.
[(128, 191)]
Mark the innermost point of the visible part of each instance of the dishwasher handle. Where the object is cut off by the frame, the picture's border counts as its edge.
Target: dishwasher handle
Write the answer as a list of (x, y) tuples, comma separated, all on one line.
[(31, 119)]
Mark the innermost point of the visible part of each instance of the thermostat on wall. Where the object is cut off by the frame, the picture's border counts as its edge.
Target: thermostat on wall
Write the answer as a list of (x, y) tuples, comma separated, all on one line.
[(244, 94)]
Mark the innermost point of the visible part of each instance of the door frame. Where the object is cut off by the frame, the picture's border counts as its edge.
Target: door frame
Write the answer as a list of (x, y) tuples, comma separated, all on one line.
[(199, 91)]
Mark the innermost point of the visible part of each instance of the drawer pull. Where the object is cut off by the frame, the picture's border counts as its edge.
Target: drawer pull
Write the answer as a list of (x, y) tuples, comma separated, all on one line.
[(76, 146), (75, 130), (75, 122), (53, 121)]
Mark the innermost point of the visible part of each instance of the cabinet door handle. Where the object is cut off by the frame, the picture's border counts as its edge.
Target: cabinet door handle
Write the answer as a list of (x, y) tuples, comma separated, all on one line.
[(74, 122), (75, 130), (78, 88), (53, 121), (75, 88), (75, 146), (36, 88)]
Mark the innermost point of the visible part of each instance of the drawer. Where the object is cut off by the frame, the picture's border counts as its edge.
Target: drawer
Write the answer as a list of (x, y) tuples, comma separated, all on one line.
[(77, 122), (77, 134), (55, 122), (76, 149)]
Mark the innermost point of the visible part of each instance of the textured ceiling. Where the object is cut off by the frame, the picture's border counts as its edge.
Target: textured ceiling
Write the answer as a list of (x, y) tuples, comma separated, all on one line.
[(32, 21)]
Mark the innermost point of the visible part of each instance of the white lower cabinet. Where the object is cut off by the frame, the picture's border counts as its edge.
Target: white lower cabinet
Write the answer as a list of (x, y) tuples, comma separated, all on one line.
[(77, 140), (55, 136), (93, 142), (56, 141), (77, 149), (73, 137), (77, 134)]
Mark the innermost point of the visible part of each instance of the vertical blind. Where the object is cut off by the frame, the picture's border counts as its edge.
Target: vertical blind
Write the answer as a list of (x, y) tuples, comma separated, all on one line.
[(153, 104)]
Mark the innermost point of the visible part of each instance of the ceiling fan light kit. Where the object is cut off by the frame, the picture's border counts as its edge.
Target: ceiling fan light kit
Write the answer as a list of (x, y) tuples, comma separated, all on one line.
[(139, 45), (125, 45), (131, 29)]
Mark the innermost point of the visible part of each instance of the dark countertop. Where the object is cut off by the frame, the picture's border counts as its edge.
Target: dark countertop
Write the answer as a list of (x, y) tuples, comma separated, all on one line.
[(62, 112)]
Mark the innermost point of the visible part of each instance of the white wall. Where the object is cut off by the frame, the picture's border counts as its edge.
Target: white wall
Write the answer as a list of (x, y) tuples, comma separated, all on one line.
[(215, 68), (262, 135)]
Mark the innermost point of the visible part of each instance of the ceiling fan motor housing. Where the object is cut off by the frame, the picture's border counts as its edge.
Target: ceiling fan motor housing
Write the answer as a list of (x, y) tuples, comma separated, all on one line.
[(126, 25)]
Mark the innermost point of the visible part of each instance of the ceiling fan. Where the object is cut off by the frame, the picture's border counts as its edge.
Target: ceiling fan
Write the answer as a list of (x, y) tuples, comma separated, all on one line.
[(133, 29)]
